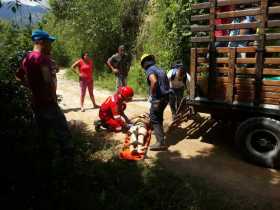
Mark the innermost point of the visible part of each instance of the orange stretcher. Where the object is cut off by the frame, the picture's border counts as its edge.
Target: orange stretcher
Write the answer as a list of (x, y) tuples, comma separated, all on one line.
[(127, 154)]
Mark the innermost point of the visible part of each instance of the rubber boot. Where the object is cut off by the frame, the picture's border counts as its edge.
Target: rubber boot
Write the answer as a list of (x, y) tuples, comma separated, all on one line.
[(159, 145)]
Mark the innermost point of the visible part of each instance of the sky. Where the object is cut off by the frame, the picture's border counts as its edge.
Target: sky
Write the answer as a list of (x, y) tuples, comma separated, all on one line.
[(31, 3)]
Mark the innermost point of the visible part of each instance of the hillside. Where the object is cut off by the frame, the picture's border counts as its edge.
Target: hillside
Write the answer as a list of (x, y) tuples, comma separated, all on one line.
[(25, 14)]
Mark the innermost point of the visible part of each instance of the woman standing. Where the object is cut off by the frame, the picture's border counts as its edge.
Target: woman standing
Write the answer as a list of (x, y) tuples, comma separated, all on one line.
[(84, 68)]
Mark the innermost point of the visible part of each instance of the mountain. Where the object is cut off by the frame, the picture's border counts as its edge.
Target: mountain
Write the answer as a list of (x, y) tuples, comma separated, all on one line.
[(22, 14)]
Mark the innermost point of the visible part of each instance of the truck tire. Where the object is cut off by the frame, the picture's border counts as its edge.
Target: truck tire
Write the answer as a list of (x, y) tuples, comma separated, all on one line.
[(258, 139)]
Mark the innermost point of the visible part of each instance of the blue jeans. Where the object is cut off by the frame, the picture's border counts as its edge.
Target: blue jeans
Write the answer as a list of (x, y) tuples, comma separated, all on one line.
[(121, 80), (175, 98), (157, 108)]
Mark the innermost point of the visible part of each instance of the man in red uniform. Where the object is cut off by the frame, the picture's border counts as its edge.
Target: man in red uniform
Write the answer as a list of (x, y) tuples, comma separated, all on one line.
[(111, 112)]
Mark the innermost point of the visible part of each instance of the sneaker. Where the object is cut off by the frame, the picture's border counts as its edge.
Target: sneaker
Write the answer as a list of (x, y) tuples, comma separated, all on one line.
[(99, 126), (96, 106), (158, 147), (82, 110)]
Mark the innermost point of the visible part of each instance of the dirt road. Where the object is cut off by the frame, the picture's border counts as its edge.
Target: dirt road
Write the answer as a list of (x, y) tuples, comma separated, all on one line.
[(199, 148)]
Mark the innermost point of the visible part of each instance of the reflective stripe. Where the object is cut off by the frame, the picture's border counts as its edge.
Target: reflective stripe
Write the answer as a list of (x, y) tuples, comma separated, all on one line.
[(113, 99), (118, 128), (117, 116)]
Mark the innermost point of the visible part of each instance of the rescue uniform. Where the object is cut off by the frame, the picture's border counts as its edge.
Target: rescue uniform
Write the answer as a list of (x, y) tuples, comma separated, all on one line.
[(111, 111)]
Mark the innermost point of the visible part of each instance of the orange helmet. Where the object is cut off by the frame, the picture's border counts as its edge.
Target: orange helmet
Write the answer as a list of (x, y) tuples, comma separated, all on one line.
[(126, 92)]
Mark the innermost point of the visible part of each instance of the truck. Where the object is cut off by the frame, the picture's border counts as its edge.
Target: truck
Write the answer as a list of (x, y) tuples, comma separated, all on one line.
[(238, 82)]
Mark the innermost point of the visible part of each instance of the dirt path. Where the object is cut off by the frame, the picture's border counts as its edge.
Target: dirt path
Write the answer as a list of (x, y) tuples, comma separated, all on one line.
[(199, 148)]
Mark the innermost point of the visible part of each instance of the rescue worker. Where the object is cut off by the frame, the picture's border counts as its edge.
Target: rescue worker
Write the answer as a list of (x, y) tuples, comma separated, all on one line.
[(159, 97), (111, 112)]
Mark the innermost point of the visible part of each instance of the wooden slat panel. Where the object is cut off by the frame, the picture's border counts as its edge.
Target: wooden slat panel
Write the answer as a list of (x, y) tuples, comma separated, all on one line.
[(212, 48), (270, 101), (270, 71), (202, 60), (274, 10), (246, 49), (244, 81), (204, 5), (271, 88), (222, 69), (270, 95), (202, 50), (271, 82), (232, 2), (243, 98), (199, 28), (220, 79), (272, 49), (273, 23), (272, 60), (237, 26), (245, 70), (222, 49), (273, 36), (193, 72), (200, 39), (222, 60), (245, 60), (200, 17), (241, 87), (238, 49), (231, 75), (260, 51), (245, 93), (237, 38), (238, 13)]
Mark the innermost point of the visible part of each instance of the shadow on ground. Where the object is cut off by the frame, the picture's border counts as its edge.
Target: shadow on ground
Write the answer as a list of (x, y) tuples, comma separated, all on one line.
[(97, 179), (212, 156)]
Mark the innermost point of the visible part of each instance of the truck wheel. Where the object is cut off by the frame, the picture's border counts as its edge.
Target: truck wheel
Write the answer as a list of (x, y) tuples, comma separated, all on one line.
[(259, 141)]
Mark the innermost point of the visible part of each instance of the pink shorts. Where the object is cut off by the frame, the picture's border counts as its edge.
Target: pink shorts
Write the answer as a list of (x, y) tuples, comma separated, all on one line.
[(84, 84)]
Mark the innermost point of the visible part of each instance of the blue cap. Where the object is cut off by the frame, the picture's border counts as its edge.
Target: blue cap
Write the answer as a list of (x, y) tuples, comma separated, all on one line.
[(41, 35)]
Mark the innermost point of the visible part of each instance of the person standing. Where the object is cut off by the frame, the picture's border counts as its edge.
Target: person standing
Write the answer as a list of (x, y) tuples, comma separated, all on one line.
[(159, 98), (119, 63), (36, 71), (178, 80), (84, 68)]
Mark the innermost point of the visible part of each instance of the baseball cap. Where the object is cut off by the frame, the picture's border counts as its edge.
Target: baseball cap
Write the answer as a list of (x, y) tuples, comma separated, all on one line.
[(41, 35)]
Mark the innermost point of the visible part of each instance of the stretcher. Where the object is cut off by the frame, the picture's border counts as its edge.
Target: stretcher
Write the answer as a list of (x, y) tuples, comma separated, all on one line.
[(127, 154)]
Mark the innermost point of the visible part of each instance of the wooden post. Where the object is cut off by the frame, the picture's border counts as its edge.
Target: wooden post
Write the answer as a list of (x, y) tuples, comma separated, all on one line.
[(260, 51), (231, 75), (193, 72), (212, 49)]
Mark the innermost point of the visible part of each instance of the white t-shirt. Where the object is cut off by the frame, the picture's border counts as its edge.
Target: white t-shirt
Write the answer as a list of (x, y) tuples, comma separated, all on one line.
[(176, 83)]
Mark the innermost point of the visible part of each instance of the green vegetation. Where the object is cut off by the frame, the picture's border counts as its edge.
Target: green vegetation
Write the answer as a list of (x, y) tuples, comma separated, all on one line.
[(159, 27)]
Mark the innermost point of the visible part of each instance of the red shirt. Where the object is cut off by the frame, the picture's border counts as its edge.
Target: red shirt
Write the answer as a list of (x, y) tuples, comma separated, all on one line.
[(85, 69), (113, 107), (37, 68)]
